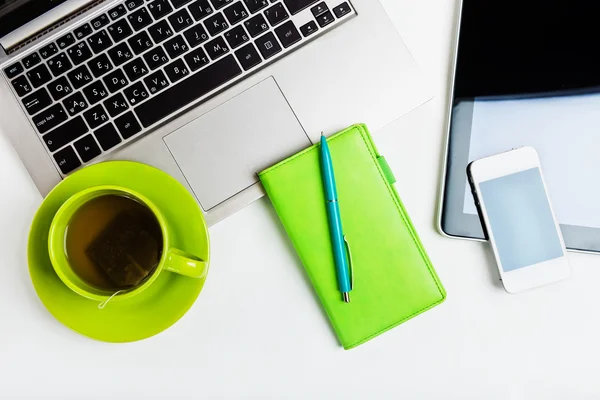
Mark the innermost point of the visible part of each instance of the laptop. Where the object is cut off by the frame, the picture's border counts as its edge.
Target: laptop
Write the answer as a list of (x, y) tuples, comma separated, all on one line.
[(209, 91)]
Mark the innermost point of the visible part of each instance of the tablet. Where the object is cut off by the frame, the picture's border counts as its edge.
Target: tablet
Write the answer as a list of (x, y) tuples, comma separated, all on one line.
[(528, 74)]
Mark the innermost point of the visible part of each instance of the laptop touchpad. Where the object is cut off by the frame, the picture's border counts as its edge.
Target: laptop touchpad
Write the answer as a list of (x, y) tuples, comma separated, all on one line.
[(220, 152)]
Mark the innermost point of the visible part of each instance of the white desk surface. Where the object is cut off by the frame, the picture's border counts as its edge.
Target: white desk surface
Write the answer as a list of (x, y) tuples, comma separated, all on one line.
[(257, 330)]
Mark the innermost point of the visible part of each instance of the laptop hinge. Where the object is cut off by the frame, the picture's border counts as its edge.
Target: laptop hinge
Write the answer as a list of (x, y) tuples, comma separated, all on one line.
[(45, 23)]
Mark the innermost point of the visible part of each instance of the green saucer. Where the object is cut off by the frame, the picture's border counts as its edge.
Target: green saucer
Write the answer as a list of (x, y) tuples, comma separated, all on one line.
[(153, 310)]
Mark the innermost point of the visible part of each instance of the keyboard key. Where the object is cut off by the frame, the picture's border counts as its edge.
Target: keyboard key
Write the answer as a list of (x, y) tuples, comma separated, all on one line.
[(267, 45), (309, 28), (59, 64), (21, 85), (95, 92), (107, 136), (156, 82), (115, 81), (100, 65), (136, 93), (79, 53), (48, 50), (87, 148), (117, 12), (256, 5), (288, 34), (31, 60), (319, 9), (135, 69), (133, 4), (276, 14), (59, 88), (179, 3), (159, 8), (325, 19), (120, 54), (99, 42), (65, 41), (220, 3), (256, 25), (50, 118), (185, 92), (36, 101), (95, 116), (236, 37), (235, 13), (342, 10), (119, 30), (295, 6), (139, 19), (75, 103), (196, 59), (116, 105), (248, 56), (79, 77), (13, 70), (128, 125), (176, 46), (82, 31), (67, 160), (200, 9), (216, 24), (180, 20), (39, 76), (176, 70), (216, 48), (100, 21), (140, 42), (160, 31), (196, 35), (156, 57), (65, 133)]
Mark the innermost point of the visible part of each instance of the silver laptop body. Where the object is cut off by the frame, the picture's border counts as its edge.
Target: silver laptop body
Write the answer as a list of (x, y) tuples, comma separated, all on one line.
[(211, 95)]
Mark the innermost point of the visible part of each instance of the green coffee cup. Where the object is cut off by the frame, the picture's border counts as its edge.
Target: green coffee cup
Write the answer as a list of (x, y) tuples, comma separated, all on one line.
[(172, 260)]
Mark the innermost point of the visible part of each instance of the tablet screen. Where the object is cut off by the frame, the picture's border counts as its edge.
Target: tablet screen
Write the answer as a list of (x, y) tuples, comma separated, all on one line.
[(515, 47), (566, 133), (527, 73)]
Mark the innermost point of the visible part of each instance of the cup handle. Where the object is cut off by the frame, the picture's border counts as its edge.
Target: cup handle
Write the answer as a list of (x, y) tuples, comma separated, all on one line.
[(185, 264)]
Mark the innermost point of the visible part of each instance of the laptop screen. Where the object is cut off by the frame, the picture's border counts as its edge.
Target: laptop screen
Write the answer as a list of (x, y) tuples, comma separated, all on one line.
[(16, 13)]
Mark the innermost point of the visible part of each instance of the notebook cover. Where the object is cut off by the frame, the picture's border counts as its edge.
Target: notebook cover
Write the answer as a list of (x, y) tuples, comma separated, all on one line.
[(393, 277)]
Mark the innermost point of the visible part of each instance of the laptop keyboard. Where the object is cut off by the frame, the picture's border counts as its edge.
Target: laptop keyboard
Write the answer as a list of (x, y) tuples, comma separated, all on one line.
[(121, 73)]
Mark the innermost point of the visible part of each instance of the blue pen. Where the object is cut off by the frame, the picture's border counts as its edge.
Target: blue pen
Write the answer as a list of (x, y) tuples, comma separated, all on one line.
[(335, 222)]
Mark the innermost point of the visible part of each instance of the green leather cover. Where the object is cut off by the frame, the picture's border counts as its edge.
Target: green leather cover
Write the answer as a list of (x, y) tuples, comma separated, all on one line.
[(393, 277)]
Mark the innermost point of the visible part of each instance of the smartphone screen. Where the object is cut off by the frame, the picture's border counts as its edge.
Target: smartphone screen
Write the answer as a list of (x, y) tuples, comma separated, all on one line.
[(520, 219)]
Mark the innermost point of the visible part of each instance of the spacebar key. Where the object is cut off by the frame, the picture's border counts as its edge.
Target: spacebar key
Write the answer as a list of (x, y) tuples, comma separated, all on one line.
[(295, 6), (172, 99)]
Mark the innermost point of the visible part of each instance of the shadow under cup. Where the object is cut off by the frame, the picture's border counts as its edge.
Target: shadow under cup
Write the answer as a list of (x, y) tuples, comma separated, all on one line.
[(171, 259)]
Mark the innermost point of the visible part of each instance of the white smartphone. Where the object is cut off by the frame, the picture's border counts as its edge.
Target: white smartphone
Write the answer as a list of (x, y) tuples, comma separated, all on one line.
[(512, 199)]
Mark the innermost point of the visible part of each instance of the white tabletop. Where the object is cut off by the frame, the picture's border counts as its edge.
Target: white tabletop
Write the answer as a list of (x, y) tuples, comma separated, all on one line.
[(257, 330)]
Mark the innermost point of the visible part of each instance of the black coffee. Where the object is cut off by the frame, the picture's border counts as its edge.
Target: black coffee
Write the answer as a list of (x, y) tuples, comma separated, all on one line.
[(113, 242)]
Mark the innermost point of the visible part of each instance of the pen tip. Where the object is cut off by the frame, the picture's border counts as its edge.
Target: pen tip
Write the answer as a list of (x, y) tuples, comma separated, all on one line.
[(346, 297)]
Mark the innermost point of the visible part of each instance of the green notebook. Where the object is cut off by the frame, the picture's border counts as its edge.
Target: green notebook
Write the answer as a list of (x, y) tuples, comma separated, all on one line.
[(392, 275)]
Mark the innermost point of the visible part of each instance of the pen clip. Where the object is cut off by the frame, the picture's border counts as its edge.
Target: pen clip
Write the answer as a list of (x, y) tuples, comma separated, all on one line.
[(349, 262)]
